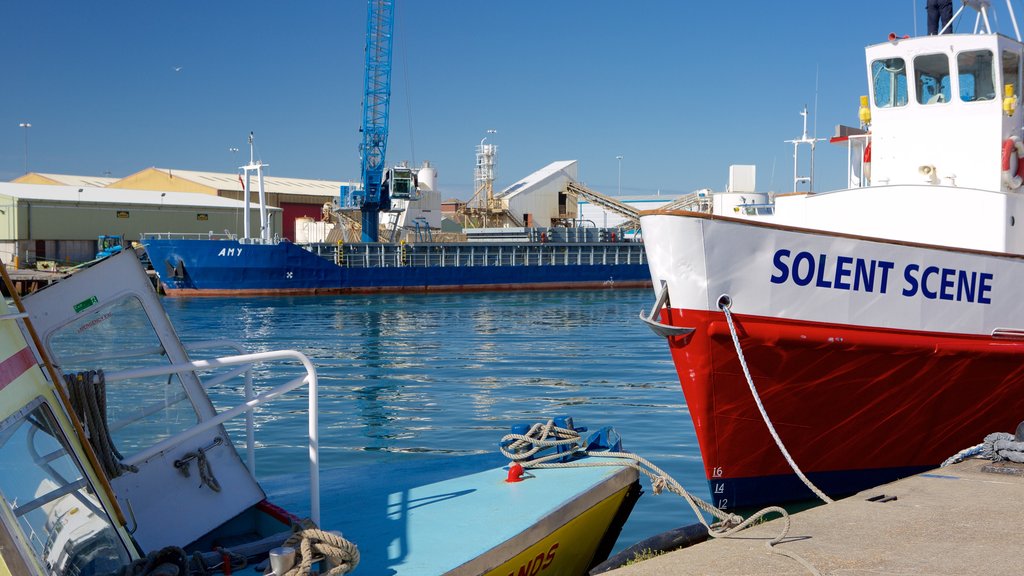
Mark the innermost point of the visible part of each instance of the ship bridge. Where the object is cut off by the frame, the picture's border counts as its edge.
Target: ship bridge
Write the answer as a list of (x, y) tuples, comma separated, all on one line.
[(933, 99)]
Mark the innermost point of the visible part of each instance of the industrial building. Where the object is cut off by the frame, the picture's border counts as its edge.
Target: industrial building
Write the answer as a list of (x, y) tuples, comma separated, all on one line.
[(55, 217), (61, 223), (296, 197)]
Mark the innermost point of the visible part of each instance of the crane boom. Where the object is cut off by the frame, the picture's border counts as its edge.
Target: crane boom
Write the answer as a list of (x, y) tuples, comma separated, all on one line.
[(376, 104)]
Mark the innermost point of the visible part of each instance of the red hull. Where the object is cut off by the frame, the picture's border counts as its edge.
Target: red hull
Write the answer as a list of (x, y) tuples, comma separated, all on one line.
[(842, 398)]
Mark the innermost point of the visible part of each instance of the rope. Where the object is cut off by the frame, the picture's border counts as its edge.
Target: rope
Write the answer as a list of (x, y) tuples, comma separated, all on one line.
[(88, 395), (760, 407), (962, 455), (522, 447), (1000, 446), (159, 562), (206, 477), (997, 447), (311, 544)]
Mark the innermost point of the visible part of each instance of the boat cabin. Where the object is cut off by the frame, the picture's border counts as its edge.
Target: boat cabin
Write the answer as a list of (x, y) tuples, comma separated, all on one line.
[(942, 109)]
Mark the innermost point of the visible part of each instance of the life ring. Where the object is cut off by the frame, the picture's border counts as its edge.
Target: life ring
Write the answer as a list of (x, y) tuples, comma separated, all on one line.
[(867, 162), (1012, 178)]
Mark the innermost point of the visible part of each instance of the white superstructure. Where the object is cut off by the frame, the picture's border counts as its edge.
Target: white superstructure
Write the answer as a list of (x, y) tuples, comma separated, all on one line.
[(940, 161)]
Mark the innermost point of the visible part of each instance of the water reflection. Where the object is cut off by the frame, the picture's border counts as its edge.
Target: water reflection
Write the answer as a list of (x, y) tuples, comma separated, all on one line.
[(448, 373)]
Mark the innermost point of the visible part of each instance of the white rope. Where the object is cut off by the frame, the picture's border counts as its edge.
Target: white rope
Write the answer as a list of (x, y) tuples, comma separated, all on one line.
[(760, 407), (962, 455), (522, 447)]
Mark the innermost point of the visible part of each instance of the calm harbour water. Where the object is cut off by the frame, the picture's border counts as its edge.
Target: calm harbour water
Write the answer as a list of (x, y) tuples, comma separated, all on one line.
[(402, 375)]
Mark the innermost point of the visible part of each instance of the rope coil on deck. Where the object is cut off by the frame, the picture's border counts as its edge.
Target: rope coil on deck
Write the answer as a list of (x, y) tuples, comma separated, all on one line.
[(522, 448), (311, 544), (87, 392), (997, 447)]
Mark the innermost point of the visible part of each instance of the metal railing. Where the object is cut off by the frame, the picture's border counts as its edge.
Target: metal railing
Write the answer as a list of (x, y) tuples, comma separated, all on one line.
[(242, 364), (482, 254)]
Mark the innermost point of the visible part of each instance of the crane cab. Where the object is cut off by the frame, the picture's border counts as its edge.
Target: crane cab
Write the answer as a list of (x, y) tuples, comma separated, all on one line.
[(400, 183)]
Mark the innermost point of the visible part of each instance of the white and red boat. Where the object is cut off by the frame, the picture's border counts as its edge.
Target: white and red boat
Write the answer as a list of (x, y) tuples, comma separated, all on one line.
[(882, 324)]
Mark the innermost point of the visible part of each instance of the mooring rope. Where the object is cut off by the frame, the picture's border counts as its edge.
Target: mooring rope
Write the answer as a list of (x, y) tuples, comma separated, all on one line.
[(311, 543), (997, 447), (522, 448), (87, 392), (724, 305)]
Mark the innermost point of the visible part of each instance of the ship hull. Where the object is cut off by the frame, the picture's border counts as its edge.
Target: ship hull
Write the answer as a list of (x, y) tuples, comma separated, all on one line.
[(227, 267), (866, 377)]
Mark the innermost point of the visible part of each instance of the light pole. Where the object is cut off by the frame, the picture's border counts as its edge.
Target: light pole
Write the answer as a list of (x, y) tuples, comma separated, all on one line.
[(619, 158), (26, 126)]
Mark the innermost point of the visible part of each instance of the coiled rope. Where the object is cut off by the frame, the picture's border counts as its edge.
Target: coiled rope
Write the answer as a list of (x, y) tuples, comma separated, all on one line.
[(87, 392), (571, 450), (311, 543), (172, 560), (997, 447), (168, 560), (724, 303)]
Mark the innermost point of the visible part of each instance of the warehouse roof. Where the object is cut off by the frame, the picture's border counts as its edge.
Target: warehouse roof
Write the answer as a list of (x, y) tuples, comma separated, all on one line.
[(545, 174), (64, 179), (97, 195), (271, 184)]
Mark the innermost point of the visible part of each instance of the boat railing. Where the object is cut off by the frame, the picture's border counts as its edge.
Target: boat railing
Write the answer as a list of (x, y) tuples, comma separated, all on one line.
[(468, 254), (188, 236), (241, 364), (143, 412)]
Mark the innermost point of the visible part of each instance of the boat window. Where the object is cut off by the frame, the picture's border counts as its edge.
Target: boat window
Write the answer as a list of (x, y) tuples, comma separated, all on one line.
[(931, 76), (1011, 71), (889, 82), (141, 411), (54, 504), (976, 75)]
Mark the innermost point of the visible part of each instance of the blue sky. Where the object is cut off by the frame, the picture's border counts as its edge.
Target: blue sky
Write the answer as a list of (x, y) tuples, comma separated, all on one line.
[(680, 89)]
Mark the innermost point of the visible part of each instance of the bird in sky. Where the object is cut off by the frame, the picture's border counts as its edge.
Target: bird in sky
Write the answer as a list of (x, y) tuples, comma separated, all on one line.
[(177, 68)]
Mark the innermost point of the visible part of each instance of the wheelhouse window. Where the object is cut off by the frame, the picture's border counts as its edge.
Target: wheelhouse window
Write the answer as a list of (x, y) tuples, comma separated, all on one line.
[(931, 77), (1011, 71), (889, 82), (976, 75), (54, 503)]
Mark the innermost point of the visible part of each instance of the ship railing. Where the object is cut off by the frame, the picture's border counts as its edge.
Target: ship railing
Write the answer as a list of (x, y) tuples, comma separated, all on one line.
[(188, 236), (239, 365), (483, 254)]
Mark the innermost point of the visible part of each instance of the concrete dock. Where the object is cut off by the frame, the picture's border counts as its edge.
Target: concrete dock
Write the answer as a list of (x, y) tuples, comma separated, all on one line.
[(957, 520)]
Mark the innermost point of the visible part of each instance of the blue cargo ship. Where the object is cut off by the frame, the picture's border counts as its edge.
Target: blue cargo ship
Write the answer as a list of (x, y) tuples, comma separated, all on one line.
[(548, 259)]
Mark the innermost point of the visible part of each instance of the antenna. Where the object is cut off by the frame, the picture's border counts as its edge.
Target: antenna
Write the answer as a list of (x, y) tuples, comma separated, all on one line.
[(804, 139), (913, 9), (817, 75)]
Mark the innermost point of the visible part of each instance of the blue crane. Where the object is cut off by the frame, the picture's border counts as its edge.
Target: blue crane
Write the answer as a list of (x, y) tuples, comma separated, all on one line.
[(376, 103), (380, 185)]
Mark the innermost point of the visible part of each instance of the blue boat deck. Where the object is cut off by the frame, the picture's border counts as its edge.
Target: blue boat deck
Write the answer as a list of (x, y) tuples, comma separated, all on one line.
[(421, 517)]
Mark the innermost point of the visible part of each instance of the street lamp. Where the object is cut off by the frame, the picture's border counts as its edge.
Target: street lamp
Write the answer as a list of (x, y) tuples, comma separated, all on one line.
[(619, 158), (26, 126)]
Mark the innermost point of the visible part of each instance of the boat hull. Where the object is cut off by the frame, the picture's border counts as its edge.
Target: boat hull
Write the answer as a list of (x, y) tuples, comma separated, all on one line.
[(227, 267), (862, 385)]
